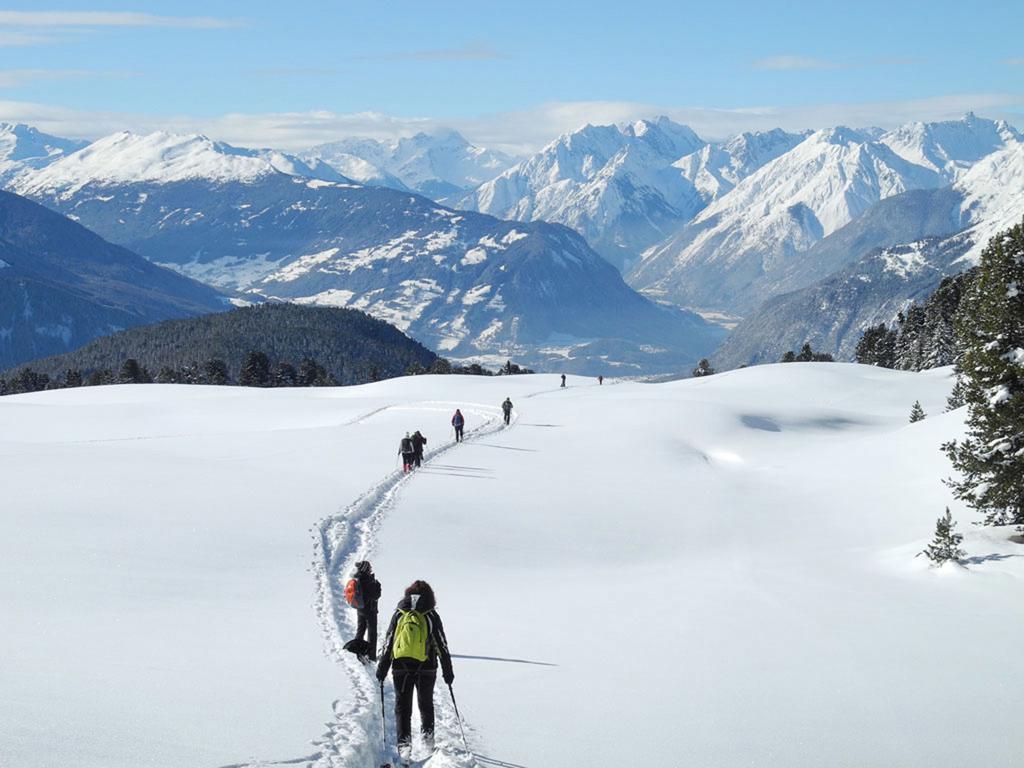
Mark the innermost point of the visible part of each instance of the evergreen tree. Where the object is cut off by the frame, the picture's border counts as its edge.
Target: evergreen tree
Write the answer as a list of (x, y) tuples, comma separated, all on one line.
[(917, 412), (255, 371), (72, 378), (216, 372), (703, 368), (309, 372), (806, 354), (946, 544), (990, 332), (285, 375), (911, 339), (132, 373), (100, 378), (789, 357), (958, 396), (441, 365), (168, 375), (877, 347), (28, 380)]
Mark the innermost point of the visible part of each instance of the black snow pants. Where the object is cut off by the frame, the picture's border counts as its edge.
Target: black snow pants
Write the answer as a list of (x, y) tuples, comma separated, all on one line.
[(458, 433), (367, 625), (508, 416), (408, 680)]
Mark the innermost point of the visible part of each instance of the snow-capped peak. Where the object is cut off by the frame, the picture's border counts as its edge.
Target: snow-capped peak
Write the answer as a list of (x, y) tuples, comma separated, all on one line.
[(162, 157), (437, 164), (951, 147)]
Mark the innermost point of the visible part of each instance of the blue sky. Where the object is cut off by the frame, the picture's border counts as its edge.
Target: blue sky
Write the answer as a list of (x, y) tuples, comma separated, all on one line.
[(514, 74)]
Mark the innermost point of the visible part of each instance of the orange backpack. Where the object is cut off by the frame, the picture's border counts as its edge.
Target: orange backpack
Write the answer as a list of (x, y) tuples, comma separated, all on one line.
[(354, 593)]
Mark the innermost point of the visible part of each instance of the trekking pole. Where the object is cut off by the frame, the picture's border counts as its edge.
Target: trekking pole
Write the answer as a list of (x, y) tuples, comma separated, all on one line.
[(383, 728), (458, 717)]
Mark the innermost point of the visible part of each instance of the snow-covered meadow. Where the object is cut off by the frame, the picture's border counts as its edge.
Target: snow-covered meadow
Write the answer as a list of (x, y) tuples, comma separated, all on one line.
[(710, 572)]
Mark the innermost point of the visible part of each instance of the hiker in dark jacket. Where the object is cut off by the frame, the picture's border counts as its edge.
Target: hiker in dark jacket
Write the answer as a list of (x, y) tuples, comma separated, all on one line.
[(506, 408), (418, 441), (365, 641), (408, 452), (413, 662), (458, 421)]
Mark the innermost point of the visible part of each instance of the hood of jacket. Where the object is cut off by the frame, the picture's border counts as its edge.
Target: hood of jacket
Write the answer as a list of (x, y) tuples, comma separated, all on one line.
[(421, 603)]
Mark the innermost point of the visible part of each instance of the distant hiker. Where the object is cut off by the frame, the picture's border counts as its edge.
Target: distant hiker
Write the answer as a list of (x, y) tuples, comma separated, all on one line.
[(362, 592), (563, 379), (418, 441), (506, 408), (408, 451), (414, 643), (600, 380), (458, 421)]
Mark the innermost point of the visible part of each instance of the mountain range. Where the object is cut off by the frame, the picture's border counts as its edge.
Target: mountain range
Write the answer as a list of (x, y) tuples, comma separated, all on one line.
[(439, 165), (271, 226), (733, 228)]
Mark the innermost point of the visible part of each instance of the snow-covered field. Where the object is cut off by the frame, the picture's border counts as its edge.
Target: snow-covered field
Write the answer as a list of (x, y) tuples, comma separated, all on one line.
[(710, 572)]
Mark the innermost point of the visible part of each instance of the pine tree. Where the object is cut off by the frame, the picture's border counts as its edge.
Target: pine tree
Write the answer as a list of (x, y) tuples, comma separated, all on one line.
[(72, 378), (946, 544), (255, 371), (133, 373), (917, 412), (216, 372), (168, 375), (958, 396), (789, 357), (990, 332), (703, 368), (285, 375), (877, 346)]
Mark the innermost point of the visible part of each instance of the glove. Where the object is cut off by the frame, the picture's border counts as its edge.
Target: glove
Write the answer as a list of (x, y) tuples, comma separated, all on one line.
[(381, 674), (449, 677)]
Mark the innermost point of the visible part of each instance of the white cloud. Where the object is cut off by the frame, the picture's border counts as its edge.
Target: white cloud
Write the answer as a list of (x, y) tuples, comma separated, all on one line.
[(107, 19), (475, 52), (1014, 62), (794, 63), (11, 39), (14, 78), (518, 132)]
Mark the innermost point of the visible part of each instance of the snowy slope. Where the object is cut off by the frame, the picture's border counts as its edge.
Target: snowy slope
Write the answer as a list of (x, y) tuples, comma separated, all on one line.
[(23, 147), (615, 185), (163, 158), (438, 165), (745, 544)]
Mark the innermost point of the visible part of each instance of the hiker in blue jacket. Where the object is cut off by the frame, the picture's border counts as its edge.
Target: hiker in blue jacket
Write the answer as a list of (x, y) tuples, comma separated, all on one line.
[(458, 421), (414, 644)]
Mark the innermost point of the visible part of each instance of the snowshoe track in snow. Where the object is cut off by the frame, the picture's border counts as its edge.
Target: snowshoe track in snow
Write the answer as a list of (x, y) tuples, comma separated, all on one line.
[(353, 737)]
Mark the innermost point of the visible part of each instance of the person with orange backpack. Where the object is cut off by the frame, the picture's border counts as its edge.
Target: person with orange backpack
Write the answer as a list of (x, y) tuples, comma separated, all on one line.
[(362, 592), (414, 644)]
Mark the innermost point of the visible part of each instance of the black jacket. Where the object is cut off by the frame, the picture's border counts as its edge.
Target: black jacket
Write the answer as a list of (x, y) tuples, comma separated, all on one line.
[(418, 441), (437, 644), (369, 588)]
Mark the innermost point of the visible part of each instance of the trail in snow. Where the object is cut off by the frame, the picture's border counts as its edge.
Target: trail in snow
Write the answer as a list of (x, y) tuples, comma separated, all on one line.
[(354, 736)]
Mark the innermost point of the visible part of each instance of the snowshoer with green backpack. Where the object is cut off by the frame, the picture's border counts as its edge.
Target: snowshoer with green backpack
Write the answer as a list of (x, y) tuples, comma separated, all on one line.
[(414, 644)]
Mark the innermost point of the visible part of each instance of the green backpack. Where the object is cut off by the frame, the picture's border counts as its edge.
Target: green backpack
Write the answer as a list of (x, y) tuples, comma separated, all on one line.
[(411, 636)]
